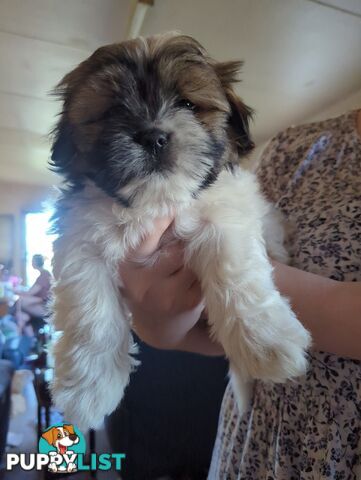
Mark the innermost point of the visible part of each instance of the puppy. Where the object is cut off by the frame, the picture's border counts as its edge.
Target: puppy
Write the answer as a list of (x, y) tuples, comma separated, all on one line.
[(151, 127)]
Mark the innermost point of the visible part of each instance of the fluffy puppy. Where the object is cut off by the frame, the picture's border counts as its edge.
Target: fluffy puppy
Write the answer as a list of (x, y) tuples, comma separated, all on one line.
[(149, 127)]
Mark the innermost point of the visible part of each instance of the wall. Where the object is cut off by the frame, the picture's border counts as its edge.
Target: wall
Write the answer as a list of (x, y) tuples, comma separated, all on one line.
[(17, 199), (351, 102)]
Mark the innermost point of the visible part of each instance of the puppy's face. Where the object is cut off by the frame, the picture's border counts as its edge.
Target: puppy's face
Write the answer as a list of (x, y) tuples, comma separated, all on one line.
[(150, 120), (61, 437)]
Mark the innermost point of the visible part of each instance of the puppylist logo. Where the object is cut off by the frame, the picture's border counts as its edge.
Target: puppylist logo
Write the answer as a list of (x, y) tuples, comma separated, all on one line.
[(62, 449)]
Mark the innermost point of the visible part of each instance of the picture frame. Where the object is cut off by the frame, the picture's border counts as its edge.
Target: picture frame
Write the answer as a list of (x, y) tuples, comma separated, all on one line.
[(7, 239)]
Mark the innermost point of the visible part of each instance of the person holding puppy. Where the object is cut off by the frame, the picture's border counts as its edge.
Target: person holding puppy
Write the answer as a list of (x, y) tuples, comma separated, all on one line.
[(312, 425)]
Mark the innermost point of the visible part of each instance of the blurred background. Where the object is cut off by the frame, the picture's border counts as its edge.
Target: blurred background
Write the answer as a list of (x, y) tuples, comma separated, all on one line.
[(302, 63)]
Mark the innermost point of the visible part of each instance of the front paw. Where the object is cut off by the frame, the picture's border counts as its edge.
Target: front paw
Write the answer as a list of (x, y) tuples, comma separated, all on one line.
[(71, 467), (274, 344), (52, 467)]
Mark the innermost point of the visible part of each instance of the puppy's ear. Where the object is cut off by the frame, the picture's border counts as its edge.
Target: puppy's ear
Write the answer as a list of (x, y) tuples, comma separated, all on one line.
[(63, 151), (49, 436), (239, 123), (69, 429), (65, 155), (80, 105), (240, 115)]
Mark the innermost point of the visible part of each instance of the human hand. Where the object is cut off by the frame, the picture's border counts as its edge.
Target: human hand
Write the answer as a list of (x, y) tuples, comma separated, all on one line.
[(165, 298)]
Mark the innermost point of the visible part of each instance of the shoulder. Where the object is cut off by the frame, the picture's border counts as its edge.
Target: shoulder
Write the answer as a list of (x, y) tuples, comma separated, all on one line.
[(293, 146), (293, 140), (275, 162), (296, 138)]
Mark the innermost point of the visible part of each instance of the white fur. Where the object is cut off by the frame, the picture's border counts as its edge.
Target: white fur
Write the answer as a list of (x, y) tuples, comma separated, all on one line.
[(224, 232)]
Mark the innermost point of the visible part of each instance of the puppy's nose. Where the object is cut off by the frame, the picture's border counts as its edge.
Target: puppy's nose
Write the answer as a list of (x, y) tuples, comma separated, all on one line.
[(73, 437), (153, 139)]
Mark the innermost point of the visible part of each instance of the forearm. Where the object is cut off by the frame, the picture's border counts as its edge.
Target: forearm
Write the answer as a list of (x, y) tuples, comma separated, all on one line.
[(34, 290), (330, 310)]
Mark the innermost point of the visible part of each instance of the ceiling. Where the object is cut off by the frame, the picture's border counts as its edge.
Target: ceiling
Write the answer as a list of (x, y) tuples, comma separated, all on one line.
[(300, 56)]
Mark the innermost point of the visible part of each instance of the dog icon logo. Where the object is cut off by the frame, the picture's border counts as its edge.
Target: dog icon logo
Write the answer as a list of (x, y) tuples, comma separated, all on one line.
[(62, 450), (61, 443)]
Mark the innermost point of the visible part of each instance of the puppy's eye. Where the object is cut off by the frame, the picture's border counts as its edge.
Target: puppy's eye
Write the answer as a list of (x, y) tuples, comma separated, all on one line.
[(184, 103), (59, 435)]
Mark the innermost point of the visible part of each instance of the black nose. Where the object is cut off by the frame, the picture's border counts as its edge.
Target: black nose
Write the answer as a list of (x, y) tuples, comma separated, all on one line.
[(153, 140), (73, 437)]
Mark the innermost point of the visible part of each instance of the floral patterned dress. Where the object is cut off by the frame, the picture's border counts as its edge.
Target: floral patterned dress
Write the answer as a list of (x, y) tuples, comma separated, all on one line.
[(310, 428)]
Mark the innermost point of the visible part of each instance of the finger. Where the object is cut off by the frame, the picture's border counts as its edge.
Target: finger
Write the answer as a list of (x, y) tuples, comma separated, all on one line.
[(191, 298), (170, 260), (150, 244), (139, 277), (162, 263), (168, 293), (182, 279), (194, 296)]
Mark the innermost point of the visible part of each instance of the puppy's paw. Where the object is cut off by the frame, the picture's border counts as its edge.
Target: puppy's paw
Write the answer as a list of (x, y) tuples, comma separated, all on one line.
[(71, 467), (52, 467), (273, 347), (86, 390), (242, 391), (285, 359)]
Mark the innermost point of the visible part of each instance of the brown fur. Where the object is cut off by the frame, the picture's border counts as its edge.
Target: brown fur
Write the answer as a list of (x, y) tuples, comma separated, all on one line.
[(180, 63), (52, 435)]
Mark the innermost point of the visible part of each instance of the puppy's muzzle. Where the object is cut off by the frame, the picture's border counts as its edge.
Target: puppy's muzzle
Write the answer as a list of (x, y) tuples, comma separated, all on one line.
[(153, 140)]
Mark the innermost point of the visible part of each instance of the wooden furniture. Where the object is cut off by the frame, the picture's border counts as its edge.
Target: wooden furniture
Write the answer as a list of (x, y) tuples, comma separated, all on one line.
[(42, 378)]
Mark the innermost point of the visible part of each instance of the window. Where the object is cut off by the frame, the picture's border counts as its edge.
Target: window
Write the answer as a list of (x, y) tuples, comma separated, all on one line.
[(38, 240)]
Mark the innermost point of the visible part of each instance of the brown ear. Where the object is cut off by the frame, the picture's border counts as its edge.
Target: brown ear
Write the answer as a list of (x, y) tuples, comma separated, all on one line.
[(228, 72), (239, 123), (69, 428), (240, 115), (63, 151), (49, 436), (81, 106)]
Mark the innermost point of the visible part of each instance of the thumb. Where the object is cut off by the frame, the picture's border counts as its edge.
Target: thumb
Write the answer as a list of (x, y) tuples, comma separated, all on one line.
[(151, 242)]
